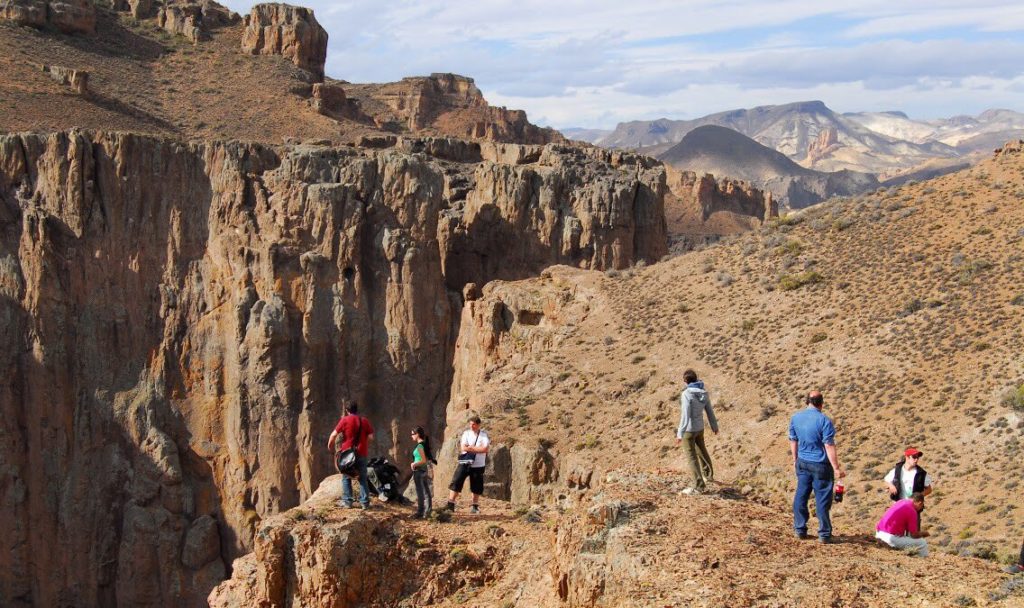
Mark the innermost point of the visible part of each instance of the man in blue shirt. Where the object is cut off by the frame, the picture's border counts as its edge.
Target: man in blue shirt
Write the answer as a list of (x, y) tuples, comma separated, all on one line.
[(813, 446)]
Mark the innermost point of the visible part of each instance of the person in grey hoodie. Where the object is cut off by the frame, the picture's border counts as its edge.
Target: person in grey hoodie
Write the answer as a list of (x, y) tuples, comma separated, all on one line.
[(694, 402)]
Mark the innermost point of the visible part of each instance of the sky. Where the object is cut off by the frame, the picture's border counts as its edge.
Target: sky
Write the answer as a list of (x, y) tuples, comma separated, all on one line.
[(596, 63)]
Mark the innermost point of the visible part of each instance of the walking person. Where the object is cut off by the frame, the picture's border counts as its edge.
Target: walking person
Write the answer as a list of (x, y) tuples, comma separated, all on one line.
[(422, 458), (473, 447), (694, 402), (355, 431), (907, 477), (900, 526), (813, 447)]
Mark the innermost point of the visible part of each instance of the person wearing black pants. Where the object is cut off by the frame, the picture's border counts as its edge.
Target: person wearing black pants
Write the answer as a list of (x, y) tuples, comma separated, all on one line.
[(422, 457)]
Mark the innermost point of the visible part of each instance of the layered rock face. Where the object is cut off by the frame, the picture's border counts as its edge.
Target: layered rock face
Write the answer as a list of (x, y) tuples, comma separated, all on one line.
[(181, 322), (67, 16), (712, 195), (503, 326), (453, 104), (289, 31), (701, 208)]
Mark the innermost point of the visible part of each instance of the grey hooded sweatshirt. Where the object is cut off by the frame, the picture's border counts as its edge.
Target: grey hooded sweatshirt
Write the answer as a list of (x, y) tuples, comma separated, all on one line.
[(693, 403)]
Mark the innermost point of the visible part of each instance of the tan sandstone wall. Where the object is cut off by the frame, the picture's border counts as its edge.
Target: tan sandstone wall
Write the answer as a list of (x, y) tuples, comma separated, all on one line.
[(182, 320)]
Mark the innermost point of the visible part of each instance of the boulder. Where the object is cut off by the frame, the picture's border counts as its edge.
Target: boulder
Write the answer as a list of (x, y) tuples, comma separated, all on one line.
[(78, 80), (289, 31)]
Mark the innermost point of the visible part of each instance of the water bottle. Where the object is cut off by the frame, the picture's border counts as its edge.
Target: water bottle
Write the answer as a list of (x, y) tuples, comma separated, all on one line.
[(839, 491)]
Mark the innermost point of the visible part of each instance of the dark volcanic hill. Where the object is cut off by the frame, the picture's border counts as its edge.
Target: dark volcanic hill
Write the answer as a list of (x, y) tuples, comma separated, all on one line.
[(722, 151)]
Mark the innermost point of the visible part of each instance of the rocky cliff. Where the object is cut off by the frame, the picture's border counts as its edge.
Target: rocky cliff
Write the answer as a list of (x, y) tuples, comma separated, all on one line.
[(701, 206), (67, 16), (289, 31), (181, 321), (450, 104)]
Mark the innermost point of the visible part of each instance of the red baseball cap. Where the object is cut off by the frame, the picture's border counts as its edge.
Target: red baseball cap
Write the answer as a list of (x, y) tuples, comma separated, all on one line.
[(912, 452)]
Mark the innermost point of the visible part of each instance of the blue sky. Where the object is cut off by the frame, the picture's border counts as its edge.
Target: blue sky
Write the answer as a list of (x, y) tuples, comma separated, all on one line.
[(595, 63)]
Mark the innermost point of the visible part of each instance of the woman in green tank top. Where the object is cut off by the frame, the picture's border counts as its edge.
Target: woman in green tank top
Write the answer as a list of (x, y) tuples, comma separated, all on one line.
[(421, 459)]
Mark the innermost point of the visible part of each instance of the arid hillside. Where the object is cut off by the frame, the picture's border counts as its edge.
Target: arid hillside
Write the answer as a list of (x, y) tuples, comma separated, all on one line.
[(206, 246), (904, 306), (190, 70)]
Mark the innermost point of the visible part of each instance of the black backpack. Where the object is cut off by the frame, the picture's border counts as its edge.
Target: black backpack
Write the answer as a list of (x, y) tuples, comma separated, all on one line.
[(383, 478)]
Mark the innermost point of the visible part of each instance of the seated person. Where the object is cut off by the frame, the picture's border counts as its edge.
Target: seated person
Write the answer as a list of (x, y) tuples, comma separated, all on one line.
[(899, 528)]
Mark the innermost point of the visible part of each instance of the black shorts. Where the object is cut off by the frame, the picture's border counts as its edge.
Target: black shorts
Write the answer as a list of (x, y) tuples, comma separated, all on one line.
[(476, 479)]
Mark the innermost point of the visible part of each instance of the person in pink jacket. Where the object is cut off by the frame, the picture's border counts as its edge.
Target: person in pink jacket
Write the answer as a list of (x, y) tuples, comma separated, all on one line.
[(899, 527)]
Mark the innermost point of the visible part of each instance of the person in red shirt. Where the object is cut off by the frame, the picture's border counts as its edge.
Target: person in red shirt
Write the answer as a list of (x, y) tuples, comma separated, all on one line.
[(353, 428), (899, 529)]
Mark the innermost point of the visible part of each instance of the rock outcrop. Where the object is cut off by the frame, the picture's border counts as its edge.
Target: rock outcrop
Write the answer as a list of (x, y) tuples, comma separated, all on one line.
[(78, 80), (318, 555), (328, 99), (67, 16), (453, 104), (139, 9), (289, 31), (823, 145), (182, 320), (192, 19), (704, 196)]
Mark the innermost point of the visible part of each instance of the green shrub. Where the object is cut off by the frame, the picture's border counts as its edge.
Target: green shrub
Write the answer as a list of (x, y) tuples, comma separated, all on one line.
[(790, 282), (1014, 398)]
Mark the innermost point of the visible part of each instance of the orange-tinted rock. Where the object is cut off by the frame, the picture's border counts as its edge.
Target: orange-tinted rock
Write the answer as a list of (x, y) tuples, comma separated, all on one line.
[(289, 31)]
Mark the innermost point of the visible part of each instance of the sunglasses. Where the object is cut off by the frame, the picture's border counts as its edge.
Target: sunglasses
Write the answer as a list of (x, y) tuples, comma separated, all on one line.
[(918, 457)]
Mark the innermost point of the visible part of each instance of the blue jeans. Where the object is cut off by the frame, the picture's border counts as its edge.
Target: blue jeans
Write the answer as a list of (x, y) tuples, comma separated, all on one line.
[(364, 484), (816, 476)]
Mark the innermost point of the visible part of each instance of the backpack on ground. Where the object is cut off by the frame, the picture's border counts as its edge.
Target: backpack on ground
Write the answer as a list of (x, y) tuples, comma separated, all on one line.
[(383, 478)]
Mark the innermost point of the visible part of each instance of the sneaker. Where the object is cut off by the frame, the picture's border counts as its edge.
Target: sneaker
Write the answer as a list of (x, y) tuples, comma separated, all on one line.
[(450, 506), (826, 540), (474, 509), (801, 535), (345, 504), (1014, 569), (364, 506), (692, 491)]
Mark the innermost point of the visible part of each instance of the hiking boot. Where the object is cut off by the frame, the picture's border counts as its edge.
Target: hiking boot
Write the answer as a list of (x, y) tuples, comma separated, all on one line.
[(801, 535), (826, 540), (1014, 569), (474, 509), (364, 506), (345, 504), (450, 506)]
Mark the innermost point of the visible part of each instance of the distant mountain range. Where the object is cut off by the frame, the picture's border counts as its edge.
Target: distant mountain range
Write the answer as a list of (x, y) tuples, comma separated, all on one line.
[(725, 152), (887, 144)]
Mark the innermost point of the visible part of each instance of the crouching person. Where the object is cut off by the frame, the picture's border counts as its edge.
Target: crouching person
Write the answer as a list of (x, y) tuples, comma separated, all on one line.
[(900, 527)]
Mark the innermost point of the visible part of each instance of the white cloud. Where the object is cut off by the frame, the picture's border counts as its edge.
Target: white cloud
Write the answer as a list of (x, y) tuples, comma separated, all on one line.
[(595, 62)]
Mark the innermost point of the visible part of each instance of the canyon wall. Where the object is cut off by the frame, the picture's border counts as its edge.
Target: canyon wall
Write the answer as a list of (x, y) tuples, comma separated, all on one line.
[(181, 321)]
